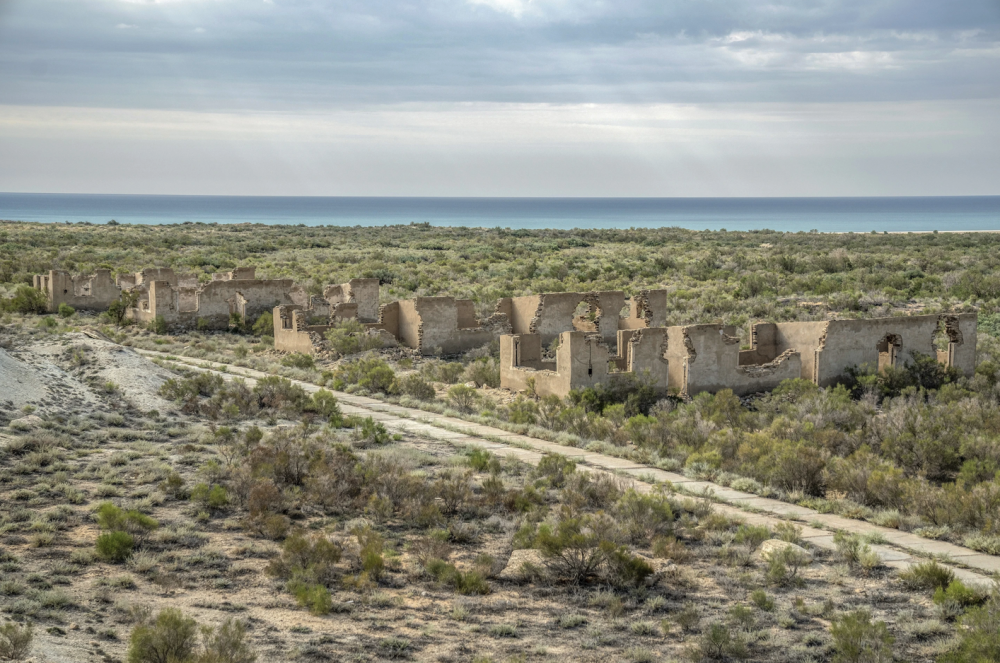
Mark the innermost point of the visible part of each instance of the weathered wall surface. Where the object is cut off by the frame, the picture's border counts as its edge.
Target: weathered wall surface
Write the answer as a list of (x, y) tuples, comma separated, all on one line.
[(711, 362), (291, 334), (642, 352), (88, 292), (363, 292), (857, 342), (581, 361)]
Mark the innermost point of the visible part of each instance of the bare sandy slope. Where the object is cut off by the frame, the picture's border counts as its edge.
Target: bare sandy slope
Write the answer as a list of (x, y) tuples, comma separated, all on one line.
[(60, 375)]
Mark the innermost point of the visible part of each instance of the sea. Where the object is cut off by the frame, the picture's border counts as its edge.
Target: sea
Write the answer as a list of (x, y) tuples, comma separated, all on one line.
[(880, 214)]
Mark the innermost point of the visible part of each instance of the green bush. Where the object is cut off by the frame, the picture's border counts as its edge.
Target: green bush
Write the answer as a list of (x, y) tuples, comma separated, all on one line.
[(115, 546), (350, 336), (978, 637), (469, 582), (158, 325), (325, 405), (170, 638), (15, 641), (927, 575), (484, 371), (309, 556), (298, 360), (368, 372), (227, 644), (415, 386), (114, 519), (857, 640), (26, 300), (312, 596), (65, 310), (264, 326), (213, 497), (464, 398)]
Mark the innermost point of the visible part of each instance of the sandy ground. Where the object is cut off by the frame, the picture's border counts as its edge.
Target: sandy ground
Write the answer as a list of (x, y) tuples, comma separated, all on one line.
[(61, 374)]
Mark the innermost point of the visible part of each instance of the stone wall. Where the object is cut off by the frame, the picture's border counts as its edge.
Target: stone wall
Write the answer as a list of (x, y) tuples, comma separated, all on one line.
[(212, 305), (87, 292), (582, 360), (363, 292)]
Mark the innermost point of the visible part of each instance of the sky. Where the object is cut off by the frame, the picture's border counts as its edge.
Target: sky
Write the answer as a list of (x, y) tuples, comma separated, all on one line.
[(501, 97)]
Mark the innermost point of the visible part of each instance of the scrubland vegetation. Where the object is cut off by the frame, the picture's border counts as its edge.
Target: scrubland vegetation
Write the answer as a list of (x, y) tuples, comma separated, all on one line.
[(292, 531)]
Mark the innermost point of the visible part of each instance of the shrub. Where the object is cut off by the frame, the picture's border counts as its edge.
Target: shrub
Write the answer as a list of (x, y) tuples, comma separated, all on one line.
[(65, 310), (158, 325), (783, 567), (760, 599), (556, 468), (15, 641), (463, 397), (857, 640), (26, 300), (752, 535), (227, 644), (313, 596), (978, 637), (717, 643), (136, 523), (264, 326), (115, 546), (119, 309), (278, 393), (956, 597), (571, 548), (298, 360), (484, 371), (470, 582), (350, 336), (214, 496), (415, 386), (623, 569), (927, 575), (171, 638), (372, 432), (643, 517), (368, 372), (325, 405)]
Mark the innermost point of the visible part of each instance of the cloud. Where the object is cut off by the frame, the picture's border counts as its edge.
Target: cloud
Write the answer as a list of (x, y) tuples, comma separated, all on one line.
[(513, 7)]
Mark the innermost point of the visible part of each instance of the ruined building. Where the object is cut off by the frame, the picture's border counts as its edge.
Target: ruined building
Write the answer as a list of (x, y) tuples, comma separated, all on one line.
[(600, 334), (430, 325), (90, 292), (700, 358), (235, 295)]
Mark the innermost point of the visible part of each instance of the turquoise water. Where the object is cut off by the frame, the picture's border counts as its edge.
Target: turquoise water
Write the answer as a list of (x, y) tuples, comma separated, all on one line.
[(784, 214)]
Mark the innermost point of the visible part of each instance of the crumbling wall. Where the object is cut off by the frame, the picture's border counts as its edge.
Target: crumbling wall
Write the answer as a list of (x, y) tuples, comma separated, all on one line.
[(88, 292), (646, 310), (708, 358), (581, 361), (551, 314), (642, 352), (212, 305), (363, 292), (433, 325), (291, 333), (849, 343)]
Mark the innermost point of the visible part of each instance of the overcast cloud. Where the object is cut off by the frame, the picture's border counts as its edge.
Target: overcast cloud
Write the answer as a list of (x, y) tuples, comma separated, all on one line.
[(501, 97)]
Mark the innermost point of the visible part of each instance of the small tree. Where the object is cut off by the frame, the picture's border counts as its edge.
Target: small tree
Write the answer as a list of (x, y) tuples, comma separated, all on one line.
[(26, 300), (118, 309)]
